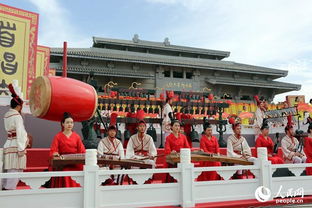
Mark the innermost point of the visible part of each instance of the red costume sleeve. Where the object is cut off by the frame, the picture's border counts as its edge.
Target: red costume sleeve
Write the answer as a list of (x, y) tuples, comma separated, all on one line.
[(308, 147), (167, 146), (203, 144), (80, 147), (217, 145), (258, 144), (54, 146)]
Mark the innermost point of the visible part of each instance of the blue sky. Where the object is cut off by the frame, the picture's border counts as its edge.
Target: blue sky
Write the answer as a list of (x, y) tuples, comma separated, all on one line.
[(275, 34)]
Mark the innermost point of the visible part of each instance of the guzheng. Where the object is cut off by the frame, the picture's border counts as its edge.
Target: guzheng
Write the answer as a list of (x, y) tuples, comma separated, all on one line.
[(202, 156), (73, 159)]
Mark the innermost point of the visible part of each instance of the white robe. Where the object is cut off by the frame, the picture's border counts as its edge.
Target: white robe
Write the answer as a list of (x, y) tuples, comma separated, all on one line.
[(258, 122), (137, 149), (115, 148), (166, 120), (237, 147), (289, 149), (16, 142)]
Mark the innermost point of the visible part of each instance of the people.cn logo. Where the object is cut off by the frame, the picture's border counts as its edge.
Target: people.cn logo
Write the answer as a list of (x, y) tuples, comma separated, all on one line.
[(262, 194)]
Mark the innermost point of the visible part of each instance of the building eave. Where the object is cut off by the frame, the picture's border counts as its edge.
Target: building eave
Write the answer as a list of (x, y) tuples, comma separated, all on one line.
[(134, 57)]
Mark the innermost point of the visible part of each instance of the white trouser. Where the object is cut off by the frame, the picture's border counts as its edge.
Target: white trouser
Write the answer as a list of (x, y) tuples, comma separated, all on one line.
[(11, 183), (297, 159), (250, 159)]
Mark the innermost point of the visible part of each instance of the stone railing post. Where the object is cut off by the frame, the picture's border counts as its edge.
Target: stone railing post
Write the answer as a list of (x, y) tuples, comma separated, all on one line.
[(187, 179), (91, 179), (265, 169)]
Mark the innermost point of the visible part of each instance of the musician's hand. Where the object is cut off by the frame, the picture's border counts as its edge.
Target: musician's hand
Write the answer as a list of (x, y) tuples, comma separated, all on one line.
[(269, 155), (56, 154), (151, 157), (298, 154), (173, 152), (21, 153)]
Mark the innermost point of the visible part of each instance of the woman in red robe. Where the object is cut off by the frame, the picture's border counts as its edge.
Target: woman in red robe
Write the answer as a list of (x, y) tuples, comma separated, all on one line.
[(264, 140), (308, 149), (209, 144), (66, 142), (175, 141)]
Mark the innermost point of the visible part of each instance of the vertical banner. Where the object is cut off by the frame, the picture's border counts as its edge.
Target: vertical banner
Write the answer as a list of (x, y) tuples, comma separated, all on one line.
[(43, 61), (18, 45)]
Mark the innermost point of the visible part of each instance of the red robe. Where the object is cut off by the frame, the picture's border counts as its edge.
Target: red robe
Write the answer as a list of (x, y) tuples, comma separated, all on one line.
[(174, 143), (268, 143), (66, 145), (210, 146), (308, 152)]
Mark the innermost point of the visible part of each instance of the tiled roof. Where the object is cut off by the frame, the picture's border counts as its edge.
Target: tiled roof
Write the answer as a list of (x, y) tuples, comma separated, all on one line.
[(135, 57), (254, 83)]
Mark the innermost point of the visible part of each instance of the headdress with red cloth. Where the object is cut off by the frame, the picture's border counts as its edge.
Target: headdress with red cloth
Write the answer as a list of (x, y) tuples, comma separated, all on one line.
[(113, 119), (140, 115), (141, 122), (289, 123), (15, 97), (258, 101), (233, 122), (169, 95)]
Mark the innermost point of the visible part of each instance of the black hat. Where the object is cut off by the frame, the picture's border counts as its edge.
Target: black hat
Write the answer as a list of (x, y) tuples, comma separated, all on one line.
[(206, 126)]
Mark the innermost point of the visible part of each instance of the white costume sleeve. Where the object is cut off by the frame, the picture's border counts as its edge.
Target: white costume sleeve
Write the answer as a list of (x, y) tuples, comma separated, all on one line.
[(101, 148), (230, 151), (286, 152), (130, 150), (259, 118), (152, 149), (21, 134), (121, 151)]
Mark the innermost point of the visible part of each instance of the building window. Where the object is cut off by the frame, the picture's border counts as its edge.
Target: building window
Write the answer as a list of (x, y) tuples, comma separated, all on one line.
[(189, 75), (167, 73), (177, 74)]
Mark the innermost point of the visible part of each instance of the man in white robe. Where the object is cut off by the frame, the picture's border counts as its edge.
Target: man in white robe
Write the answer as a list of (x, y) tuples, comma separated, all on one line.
[(141, 146), (290, 147)]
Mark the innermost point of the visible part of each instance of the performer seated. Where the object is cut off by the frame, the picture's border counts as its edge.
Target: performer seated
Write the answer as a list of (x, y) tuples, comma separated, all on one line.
[(265, 141), (66, 142), (141, 146), (238, 147), (175, 141), (110, 147), (308, 149), (209, 144), (290, 146), (14, 148)]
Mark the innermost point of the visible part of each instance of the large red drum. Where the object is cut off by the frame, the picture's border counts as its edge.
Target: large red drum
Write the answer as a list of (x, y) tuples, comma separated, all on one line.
[(51, 96)]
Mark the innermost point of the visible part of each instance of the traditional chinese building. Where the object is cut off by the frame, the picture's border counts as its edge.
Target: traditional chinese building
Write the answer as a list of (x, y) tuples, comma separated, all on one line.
[(161, 65)]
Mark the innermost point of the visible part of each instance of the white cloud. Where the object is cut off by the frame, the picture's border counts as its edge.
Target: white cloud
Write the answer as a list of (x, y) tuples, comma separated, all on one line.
[(54, 26)]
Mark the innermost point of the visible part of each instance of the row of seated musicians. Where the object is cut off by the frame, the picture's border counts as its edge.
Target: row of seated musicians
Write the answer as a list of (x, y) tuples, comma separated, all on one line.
[(38, 158)]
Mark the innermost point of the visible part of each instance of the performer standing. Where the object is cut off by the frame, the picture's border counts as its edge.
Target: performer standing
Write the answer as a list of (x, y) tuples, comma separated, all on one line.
[(290, 146), (167, 113), (175, 141), (308, 149), (66, 142), (264, 140), (14, 149), (259, 116), (209, 144), (141, 145)]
